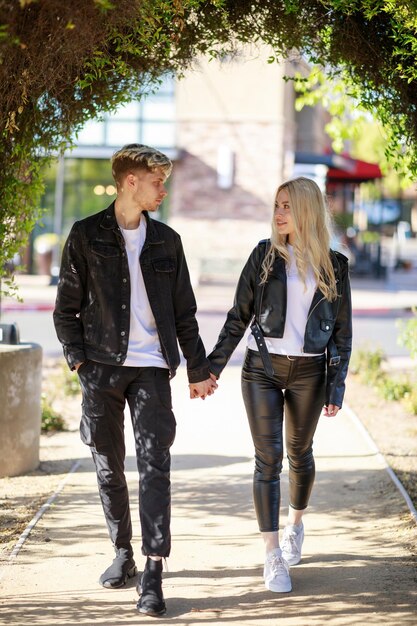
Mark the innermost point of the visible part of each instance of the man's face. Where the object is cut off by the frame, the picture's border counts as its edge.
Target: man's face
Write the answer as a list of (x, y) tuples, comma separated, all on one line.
[(148, 188)]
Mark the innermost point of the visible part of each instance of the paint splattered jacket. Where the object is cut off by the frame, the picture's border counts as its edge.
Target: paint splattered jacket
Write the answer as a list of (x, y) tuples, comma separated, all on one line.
[(92, 311)]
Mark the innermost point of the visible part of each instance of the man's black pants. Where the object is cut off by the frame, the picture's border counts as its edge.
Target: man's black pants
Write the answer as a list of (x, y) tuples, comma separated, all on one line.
[(105, 389)]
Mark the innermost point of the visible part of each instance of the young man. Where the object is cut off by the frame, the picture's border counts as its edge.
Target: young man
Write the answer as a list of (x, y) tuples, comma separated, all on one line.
[(124, 298)]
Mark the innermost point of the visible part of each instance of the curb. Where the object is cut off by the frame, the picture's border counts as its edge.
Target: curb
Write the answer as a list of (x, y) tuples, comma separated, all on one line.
[(16, 308), (12, 307), (38, 515)]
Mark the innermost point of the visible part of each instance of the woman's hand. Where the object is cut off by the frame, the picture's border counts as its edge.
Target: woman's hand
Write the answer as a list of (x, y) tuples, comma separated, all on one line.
[(203, 389), (331, 410)]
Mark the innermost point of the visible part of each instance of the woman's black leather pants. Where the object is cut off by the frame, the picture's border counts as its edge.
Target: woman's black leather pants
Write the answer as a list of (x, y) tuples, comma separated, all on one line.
[(298, 390)]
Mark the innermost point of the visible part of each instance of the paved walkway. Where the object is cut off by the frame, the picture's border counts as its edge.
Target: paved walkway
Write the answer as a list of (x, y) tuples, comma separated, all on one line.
[(356, 568)]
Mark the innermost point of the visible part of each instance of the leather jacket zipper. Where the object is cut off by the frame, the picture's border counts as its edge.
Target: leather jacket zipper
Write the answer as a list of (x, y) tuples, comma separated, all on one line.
[(260, 302), (314, 308)]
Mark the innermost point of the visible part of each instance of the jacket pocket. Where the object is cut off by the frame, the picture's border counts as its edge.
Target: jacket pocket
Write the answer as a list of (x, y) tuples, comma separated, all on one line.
[(163, 265), (104, 250), (326, 325)]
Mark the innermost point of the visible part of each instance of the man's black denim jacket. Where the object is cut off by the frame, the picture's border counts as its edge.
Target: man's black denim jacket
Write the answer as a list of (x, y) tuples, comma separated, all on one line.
[(92, 311)]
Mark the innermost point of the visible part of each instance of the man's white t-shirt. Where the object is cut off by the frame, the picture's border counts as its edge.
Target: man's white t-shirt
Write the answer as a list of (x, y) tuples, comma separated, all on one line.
[(144, 349), (299, 297)]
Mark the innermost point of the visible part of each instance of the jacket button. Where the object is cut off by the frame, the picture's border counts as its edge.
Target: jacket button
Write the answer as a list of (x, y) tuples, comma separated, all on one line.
[(123, 306), (123, 333), (118, 359), (125, 280)]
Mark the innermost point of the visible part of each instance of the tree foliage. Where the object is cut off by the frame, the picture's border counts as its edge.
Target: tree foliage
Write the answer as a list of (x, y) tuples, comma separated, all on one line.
[(62, 63)]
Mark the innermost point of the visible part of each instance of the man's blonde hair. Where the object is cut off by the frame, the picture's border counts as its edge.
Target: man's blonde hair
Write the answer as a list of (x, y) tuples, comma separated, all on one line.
[(135, 156), (312, 225)]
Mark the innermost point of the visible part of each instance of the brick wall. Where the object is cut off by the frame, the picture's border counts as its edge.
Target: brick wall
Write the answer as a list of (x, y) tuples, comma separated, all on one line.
[(217, 224)]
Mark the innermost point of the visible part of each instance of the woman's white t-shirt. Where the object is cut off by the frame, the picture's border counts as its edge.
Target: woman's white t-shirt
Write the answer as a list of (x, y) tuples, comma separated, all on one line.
[(144, 349)]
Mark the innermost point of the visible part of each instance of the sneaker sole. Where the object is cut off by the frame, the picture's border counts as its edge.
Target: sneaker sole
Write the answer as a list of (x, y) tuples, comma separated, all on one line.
[(150, 612), (290, 562), (280, 590), (130, 574)]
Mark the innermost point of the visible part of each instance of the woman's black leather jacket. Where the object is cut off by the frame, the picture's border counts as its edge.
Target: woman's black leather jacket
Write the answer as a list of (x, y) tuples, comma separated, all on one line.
[(329, 324)]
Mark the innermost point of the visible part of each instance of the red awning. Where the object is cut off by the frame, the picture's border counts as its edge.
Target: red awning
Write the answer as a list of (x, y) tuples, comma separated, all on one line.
[(359, 172)]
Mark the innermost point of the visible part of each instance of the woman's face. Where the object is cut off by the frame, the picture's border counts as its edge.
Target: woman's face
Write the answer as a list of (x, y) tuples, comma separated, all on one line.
[(283, 217)]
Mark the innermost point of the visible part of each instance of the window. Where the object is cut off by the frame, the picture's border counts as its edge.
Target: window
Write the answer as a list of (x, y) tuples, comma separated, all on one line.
[(150, 120)]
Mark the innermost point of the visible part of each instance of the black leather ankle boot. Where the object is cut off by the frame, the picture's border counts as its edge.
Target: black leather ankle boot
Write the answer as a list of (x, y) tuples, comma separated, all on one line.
[(122, 568), (151, 601)]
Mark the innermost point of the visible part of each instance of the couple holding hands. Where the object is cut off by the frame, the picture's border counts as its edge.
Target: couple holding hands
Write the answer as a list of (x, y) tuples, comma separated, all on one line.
[(125, 302)]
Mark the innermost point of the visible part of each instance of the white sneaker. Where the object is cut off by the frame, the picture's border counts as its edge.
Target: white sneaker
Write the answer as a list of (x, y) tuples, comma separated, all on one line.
[(276, 572), (292, 541)]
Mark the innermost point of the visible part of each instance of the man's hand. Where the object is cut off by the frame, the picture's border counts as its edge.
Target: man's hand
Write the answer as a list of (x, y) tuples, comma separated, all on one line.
[(203, 388)]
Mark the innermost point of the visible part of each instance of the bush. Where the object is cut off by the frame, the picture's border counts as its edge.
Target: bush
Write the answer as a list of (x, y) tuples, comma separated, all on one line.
[(394, 389), (410, 401), (70, 381), (367, 365), (408, 334), (50, 420)]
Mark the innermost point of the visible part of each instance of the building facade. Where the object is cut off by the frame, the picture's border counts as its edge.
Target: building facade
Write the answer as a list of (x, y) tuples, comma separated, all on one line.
[(229, 129)]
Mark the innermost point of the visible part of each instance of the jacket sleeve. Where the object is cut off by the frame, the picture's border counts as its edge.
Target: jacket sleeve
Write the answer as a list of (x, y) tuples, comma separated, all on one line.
[(239, 316), (342, 340), (186, 323), (70, 294)]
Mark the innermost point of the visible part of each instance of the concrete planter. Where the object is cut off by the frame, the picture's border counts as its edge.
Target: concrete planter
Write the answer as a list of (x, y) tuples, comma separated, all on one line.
[(20, 408)]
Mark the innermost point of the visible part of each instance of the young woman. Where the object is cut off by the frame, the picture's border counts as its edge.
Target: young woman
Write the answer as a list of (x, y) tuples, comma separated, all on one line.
[(295, 293)]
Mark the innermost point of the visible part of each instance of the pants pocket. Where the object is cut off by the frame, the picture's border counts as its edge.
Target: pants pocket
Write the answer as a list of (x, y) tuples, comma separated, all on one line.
[(166, 426), (94, 430)]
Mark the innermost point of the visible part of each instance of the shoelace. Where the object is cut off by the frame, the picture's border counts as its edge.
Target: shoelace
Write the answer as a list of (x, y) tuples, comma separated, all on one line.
[(277, 564), (292, 539)]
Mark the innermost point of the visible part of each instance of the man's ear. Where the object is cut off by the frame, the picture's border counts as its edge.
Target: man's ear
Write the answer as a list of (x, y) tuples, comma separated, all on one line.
[(130, 180)]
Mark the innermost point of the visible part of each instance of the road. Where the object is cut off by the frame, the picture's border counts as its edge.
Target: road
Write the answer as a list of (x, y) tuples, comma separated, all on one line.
[(36, 327), (379, 331), (374, 330)]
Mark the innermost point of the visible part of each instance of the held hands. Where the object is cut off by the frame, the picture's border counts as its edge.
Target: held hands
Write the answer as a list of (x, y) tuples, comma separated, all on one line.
[(203, 388), (331, 410)]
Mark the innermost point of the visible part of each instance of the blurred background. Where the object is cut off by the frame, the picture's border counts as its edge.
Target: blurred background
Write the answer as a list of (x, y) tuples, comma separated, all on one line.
[(234, 133)]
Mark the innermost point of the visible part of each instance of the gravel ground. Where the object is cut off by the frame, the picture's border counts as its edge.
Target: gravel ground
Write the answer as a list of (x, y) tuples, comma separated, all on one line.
[(391, 427)]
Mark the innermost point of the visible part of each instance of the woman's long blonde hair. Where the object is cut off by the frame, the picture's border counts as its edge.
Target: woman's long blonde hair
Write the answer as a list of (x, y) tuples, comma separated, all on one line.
[(312, 236)]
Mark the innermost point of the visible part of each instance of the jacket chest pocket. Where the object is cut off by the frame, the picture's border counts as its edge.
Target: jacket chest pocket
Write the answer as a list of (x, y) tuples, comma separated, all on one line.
[(163, 266), (326, 325), (104, 250)]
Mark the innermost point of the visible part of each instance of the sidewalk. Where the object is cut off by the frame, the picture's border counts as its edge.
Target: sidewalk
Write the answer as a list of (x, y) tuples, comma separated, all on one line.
[(356, 567)]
